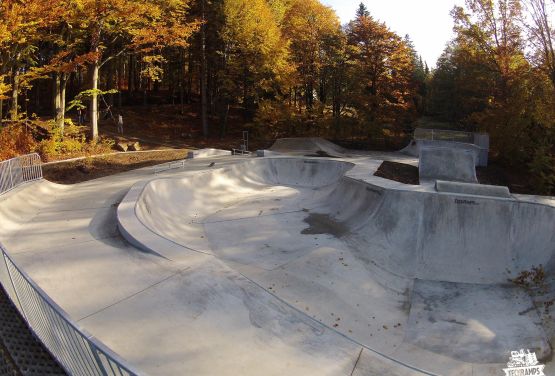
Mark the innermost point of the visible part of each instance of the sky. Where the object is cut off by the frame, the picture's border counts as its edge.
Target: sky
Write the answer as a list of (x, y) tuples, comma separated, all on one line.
[(427, 22)]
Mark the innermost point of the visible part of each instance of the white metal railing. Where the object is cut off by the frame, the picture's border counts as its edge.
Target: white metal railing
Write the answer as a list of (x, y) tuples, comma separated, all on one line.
[(17, 171), (78, 352), (443, 135), (169, 166)]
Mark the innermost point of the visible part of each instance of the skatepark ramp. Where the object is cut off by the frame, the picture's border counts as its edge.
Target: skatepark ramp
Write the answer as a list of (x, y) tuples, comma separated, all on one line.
[(412, 233), (475, 143), (326, 239), (440, 163), (307, 145)]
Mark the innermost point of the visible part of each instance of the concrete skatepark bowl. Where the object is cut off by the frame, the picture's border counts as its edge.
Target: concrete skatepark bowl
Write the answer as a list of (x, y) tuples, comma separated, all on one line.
[(288, 265)]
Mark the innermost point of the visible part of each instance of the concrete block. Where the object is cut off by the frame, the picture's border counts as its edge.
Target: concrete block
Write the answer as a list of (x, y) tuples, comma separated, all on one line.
[(473, 189), (447, 164)]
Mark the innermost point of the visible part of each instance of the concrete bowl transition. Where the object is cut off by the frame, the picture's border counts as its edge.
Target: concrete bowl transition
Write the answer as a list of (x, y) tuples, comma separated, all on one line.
[(413, 276)]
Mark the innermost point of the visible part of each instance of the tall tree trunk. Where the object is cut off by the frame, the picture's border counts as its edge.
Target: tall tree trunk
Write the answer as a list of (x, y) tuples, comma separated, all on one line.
[(131, 84), (181, 82), (1, 111), (224, 116), (203, 79), (110, 81), (15, 95), (120, 79), (190, 71), (94, 99), (60, 99)]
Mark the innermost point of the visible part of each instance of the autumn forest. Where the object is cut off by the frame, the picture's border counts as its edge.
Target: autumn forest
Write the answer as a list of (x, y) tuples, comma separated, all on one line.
[(286, 67)]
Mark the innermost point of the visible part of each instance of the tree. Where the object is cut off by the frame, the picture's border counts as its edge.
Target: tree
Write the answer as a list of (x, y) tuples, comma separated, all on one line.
[(492, 31), (113, 27), (255, 51), (385, 70), (542, 37), (20, 22), (311, 29)]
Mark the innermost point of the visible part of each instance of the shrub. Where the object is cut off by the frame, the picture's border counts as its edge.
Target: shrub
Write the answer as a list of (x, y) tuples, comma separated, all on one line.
[(16, 139)]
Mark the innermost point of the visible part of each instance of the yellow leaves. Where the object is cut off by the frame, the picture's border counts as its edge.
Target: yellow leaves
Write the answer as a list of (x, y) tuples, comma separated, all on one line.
[(66, 62), (4, 87), (253, 35), (163, 35), (153, 67)]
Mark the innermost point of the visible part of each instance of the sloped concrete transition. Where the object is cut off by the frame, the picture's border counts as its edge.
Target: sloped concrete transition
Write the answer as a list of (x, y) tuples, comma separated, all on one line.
[(294, 265)]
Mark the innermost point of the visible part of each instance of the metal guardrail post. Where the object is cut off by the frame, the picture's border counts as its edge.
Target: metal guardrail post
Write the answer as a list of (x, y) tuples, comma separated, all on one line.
[(13, 286), (10, 173), (94, 351)]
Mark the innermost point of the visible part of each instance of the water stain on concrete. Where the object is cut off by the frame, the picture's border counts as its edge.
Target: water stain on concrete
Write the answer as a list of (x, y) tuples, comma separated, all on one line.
[(324, 224)]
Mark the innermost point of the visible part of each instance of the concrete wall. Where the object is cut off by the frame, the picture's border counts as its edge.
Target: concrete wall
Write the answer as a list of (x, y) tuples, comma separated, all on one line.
[(445, 237)]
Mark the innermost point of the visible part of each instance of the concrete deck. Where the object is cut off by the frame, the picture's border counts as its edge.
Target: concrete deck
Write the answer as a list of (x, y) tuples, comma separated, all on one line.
[(243, 269)]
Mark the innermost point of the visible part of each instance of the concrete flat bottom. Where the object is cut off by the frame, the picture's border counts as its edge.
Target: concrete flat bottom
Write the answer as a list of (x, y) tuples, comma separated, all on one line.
[(474, 323)]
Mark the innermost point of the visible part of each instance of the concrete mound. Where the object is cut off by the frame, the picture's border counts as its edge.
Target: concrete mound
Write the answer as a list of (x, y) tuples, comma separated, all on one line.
[(315, 146)]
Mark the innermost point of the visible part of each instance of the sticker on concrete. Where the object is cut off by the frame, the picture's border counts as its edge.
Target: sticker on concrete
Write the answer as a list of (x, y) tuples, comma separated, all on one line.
[(524, 363)]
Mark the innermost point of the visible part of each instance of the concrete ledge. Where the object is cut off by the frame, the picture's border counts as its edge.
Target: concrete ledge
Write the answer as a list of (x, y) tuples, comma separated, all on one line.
[(472, 189), (206, 153)]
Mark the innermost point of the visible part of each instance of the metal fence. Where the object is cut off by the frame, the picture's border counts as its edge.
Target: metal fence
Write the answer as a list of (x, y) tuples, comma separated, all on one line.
[(78, 352), (17, 171), (443, 135)]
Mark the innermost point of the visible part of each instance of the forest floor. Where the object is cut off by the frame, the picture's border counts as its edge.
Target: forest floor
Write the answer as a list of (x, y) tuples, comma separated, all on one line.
[(163, 126), (78, 171)]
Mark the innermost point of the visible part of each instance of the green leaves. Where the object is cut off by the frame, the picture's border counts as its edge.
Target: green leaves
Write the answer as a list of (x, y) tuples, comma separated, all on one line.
[(84, 96)]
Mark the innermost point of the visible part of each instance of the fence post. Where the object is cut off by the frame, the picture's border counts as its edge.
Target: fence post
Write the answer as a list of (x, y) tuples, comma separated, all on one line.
[(98, 360), (10, 173), (14, 288)]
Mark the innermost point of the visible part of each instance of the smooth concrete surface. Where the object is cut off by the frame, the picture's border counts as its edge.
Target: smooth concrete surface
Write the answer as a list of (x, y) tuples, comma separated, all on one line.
[(451, 164), (314, 230), (474, 315), (472, 189), (287, 266)]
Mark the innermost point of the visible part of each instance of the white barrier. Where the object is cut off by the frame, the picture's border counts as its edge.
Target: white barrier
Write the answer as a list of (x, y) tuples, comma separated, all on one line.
[(17, 171), (78, 352)]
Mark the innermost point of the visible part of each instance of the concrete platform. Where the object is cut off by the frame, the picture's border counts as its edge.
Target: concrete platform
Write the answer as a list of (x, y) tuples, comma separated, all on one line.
[(280, 266)]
